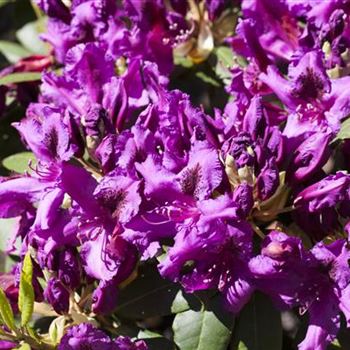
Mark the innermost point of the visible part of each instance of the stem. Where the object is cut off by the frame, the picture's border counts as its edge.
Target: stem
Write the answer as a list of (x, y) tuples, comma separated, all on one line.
[(107, 324), (7, 336), (36, 9), (86, 295), (89, 167), (257, 230), (278, 211)]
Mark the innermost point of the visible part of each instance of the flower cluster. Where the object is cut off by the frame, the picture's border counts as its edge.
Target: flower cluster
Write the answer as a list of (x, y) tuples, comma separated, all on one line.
[(128, 169)]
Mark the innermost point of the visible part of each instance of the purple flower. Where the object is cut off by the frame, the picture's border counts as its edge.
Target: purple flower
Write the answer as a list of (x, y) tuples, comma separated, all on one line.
[(326, 193), (215, 7), (46, 134), (102, 209), (107, 257), (314, 100), (170, 197), (7, 345), (308, 80), (124, 150), (318, 281), (243, 196), (54, 8), (174, 121), (320, 13), (251, 153), (310, 156), (83, 22), (203, 172), (149, 35), (282, 269), (129, 169), (86, 335), (247, 44), (320, 206), (212, 248), (125, 343), (277, 25), (268, 180), (91, 95)]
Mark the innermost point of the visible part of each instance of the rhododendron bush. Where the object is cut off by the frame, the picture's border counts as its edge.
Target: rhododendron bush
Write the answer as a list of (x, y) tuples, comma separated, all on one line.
[(175, 174)]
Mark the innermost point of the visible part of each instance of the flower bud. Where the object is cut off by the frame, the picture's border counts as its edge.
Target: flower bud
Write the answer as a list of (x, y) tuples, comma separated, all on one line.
[(57, 296), (69, 269), (104, 298)]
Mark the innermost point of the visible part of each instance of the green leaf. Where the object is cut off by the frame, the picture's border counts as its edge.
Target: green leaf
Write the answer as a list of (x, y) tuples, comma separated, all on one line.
[(207, 79), (225, 60), (241, 346), (6, 312), (344, 132), (184, 301), (155, 341), (138, 299), (56, 329), (19, 162), (180, 304), (16, 78), (259, 325), (225, 56), (28, 36), (4, 2), (203, 330), (183, 61), (26, 291), (147, 334), (13, 52)]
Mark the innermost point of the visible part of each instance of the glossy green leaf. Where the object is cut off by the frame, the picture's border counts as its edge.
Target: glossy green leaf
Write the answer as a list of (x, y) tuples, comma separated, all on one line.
[(12, 51), (26, 291), (179, 304), (156, 341), (258, 326), (29, 34), (138, 299), (16, 78), (184, 301), (6, 312), (19, 162), (344, 132), (203, 330)]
